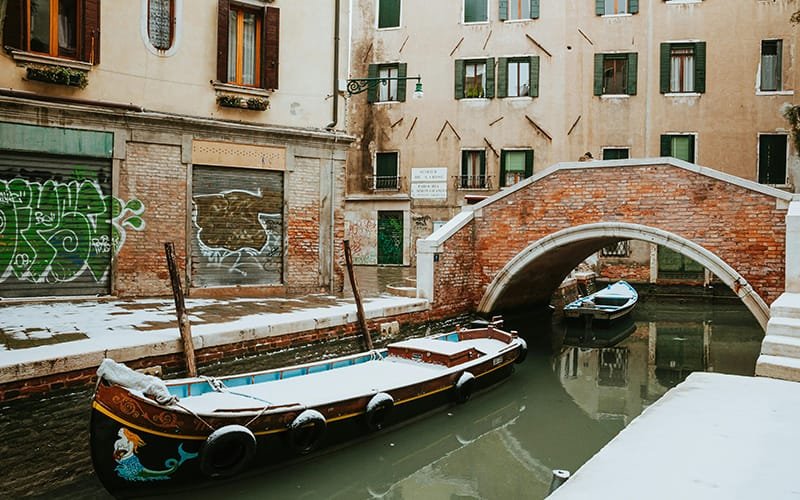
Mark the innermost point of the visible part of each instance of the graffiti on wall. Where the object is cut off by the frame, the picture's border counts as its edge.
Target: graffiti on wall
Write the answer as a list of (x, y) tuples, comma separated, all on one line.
[(363, 235), (236, 229), (53, 231)]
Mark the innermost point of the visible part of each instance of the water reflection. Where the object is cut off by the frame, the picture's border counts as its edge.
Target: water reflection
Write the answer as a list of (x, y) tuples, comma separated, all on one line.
[(556, 411)]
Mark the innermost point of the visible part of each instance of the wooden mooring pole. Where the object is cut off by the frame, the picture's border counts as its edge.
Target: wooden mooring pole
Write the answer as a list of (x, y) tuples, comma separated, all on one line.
[(180, 308), (348, 259)]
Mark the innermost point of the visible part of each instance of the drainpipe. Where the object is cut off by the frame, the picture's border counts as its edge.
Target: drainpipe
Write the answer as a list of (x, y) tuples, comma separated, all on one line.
[(336, 17)]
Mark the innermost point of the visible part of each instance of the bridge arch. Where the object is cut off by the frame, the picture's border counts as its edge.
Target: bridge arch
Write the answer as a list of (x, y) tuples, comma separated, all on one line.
[(508, 288)]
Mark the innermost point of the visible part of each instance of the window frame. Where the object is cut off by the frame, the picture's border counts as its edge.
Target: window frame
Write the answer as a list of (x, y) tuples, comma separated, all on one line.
[(374, 90), (378, 16), (269, 48), (241, 10), (530, 157), (778, 66), (504, 11), (673, 135), (630, 78), (54, 50), (699, 55), (480, 180), (627, 150), (177, 29), (387, 185), (460, 77), (785, 159), (631, 8), (464, 12), (172, 23)]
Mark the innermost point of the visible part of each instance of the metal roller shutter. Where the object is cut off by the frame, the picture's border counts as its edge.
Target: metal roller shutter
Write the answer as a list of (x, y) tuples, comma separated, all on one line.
[(55, 225), (237, 227)]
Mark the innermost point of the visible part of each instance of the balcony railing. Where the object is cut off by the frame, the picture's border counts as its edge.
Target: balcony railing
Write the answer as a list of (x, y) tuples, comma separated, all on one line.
[(385, 183), (472, 182)]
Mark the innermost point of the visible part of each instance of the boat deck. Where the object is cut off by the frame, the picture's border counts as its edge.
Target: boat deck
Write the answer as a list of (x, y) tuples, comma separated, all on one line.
[(314, 389)]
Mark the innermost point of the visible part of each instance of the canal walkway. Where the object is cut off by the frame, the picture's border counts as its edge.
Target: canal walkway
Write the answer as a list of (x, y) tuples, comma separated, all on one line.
[(713, 437), (44, 338)]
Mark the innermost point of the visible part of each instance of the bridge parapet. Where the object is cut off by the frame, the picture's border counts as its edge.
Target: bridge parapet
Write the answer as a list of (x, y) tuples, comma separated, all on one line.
[(520, 243)]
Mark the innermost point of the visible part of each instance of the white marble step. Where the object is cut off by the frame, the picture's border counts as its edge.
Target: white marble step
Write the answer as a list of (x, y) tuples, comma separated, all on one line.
[(786, 306), (779, 367), (783, 326), (778, 345)]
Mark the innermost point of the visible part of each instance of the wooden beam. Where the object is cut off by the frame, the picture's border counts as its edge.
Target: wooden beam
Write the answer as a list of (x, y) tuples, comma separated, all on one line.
[(457, 46), (404, 44), (496, 154), (540, 129), (492, 123), (586, 37), (411, 128), (539, 45), (487, 39), (348, 259), (574, 124), (184, 326)]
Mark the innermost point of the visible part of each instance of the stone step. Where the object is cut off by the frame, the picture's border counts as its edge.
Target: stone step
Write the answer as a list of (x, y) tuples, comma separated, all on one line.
[(779, 367), (777, 345), (784, 327), (786, 306)]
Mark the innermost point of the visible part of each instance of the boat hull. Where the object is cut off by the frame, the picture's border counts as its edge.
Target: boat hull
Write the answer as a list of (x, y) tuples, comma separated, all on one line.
[(139, 447)]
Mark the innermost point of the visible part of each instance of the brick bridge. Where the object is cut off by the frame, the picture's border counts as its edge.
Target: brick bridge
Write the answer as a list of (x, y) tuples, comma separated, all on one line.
[(517, 246)]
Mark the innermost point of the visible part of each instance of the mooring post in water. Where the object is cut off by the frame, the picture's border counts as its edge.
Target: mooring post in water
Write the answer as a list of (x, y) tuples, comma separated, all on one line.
[(348, 259), (180, 308), (559, 477)]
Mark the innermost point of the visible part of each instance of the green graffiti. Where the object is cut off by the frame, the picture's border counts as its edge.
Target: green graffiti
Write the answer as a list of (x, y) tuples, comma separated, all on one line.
[(53, 232)]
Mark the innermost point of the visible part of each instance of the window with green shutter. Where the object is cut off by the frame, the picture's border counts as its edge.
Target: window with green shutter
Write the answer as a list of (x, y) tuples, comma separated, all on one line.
[(476, 11), (515, 165), (680, 146), (386, 165), (391, 87), (518, 76), (615, 74), (771, 52), (616, 153), (388, 14), (683, 67), (616, 7), (473, 170), (512, 10), (474, 78)]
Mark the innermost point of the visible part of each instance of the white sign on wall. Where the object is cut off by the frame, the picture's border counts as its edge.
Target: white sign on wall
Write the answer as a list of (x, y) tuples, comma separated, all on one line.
[(429, 183), (432, 174)]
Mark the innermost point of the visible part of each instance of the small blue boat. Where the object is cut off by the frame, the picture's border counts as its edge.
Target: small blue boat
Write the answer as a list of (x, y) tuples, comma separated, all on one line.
[(612, 302)]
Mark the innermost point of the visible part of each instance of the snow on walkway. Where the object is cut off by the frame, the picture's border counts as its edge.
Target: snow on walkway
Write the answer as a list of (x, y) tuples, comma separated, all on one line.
[(712, 437)]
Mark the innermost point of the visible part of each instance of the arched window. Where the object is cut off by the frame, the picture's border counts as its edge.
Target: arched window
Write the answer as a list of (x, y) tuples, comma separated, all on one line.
[(161, 23)]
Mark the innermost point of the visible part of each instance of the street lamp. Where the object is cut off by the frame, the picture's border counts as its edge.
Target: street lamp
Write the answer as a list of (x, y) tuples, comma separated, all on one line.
[(359, 85)]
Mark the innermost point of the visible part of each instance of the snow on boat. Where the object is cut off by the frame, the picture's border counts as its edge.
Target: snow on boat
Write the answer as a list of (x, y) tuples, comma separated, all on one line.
[(153, 436), (612, 302)]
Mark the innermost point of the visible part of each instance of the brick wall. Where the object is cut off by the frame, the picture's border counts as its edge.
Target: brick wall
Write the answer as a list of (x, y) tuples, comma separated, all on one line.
[(153, 174), (745, 228)]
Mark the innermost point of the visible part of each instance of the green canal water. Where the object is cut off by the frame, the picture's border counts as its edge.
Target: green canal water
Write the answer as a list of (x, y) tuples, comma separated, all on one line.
[(556, 411)]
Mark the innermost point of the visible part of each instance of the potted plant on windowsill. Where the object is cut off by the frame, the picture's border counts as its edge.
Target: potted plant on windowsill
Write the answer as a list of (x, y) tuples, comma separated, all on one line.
[(235, 101), (59, 75)]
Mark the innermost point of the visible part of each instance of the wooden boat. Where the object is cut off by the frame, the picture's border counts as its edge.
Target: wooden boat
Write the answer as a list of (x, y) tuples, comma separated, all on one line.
[(152, 436), (612, 302), (576, 334)]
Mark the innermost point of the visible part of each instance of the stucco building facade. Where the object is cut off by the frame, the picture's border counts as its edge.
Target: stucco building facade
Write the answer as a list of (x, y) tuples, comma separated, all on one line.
[(125, 125), (512, 87)]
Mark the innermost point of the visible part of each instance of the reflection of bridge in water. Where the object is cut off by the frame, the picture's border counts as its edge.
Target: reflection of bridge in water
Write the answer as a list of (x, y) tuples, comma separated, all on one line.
[(516, 247)]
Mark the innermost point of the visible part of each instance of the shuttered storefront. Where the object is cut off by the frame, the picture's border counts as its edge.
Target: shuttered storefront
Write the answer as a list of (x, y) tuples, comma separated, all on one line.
[(237, 226), (55, 225)]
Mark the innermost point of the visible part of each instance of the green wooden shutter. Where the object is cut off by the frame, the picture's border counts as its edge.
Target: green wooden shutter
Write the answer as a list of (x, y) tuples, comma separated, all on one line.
[(503, 15), (502, 180), (401, 84), (599, 7), (482, 172), (534, 76), (464, 158), (700, 67), (666, 145), (528, 163), (534, 9), (633, 6), (502, 77), (459, 79), (664, 64), (632, 69), (372, 91), (691, 158), (598, 74), (388, 13), (489, 92)]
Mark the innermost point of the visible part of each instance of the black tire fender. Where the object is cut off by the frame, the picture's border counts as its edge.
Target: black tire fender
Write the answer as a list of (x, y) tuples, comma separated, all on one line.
[(464, 387), (378, 410), (523, 351), (306, 431), (227, 451)]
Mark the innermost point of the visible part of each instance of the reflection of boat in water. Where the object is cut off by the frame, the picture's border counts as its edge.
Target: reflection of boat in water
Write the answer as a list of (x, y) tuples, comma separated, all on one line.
[(585, 335), (612, 302)]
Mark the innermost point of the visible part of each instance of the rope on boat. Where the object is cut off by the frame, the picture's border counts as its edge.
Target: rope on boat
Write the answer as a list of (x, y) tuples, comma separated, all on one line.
[(195, 415), (219, 386), (375, 356)]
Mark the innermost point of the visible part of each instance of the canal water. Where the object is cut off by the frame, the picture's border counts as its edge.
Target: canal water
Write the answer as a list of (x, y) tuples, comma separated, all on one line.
[(558, 409)]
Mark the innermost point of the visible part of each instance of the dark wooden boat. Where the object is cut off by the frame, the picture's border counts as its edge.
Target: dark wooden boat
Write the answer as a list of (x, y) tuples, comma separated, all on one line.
[(612, 302), (152, 436)]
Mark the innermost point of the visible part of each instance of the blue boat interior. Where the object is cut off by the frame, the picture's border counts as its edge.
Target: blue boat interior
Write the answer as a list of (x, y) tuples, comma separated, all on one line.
[(196, 388)]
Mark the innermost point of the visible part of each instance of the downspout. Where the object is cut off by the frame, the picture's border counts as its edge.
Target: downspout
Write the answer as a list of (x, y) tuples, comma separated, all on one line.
[(335, 95)]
